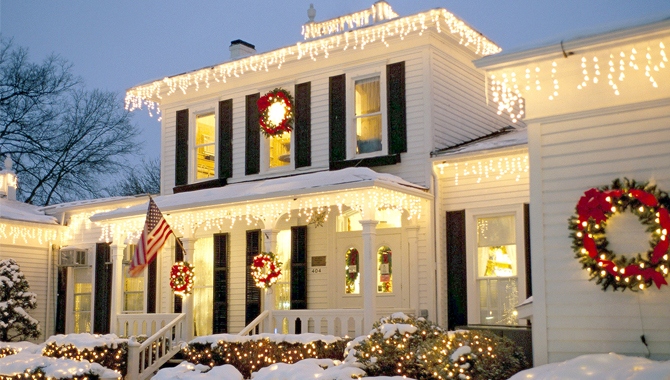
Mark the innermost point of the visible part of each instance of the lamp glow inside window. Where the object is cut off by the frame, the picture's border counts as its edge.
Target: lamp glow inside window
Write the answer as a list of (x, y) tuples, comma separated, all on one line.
[(82, 299), (133, 287), (497, 270), (205, 146), (368, 116), (279, 149)]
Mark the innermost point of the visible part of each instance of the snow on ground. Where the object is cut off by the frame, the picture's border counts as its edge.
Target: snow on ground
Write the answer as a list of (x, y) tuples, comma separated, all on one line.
[(86, 341), (190, 371), (599, 367), (276, 338), (53, 368), (21, 346)]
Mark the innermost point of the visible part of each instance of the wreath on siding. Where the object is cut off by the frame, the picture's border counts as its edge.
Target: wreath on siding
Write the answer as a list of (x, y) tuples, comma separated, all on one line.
[(182, 277), (352, 270), (589, 240), (276, 108), (266, 269), (386, 261)]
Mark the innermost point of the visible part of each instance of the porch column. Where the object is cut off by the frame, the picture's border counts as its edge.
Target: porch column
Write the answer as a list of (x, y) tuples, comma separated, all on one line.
[(117, 284), (369, 274), (412, 242), (187, 302), (269, 245)]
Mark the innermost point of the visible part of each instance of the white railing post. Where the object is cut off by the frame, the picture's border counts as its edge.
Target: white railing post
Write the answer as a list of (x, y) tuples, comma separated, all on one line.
[(133, 369)]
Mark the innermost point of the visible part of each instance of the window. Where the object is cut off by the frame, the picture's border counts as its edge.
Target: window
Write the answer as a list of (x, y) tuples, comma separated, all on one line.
[(279, 150), (368, 115), (203, 286), (82, 299), (495, 266), (205, 146), (133, 287), (384, 270), (352, 272)]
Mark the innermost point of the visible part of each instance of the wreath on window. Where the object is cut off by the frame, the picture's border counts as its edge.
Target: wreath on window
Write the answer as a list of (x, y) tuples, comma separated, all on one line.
[(276, 108), (589, 239), (266, 269), (182, 277), (385, 268), (352, 270)]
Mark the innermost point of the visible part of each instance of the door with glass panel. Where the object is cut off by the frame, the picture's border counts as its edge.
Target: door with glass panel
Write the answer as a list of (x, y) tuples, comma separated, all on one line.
[(496, 261)]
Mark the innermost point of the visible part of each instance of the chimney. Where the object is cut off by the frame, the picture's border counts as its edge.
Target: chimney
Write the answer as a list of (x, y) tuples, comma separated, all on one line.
[(8, 180), (240, 49)]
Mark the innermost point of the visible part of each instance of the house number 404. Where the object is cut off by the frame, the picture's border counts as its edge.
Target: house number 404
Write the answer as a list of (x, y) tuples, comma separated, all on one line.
[(316, 270)]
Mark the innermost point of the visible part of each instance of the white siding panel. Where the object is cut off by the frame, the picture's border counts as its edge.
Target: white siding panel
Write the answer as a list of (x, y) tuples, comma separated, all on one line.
[(578, 155)]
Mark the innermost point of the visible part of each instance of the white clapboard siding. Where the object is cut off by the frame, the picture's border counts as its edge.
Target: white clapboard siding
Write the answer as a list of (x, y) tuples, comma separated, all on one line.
[(576, 155), (33, 261), (473, 192)]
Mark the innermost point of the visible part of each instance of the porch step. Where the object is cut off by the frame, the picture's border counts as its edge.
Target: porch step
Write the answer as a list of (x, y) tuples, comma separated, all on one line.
[(174, 361)]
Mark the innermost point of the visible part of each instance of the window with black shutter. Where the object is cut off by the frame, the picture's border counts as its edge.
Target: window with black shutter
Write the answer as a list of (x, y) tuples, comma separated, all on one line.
[(220, 323), (103, 289), (298, 271), (303, 125), (181, 149), (253, 293), (457, 287), (226, 139), (252, 136)]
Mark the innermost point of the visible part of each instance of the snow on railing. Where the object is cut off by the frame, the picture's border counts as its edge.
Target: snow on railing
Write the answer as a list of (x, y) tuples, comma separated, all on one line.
[(144, 359)]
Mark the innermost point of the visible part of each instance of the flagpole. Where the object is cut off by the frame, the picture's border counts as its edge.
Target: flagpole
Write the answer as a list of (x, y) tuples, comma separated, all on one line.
[(173, 234)]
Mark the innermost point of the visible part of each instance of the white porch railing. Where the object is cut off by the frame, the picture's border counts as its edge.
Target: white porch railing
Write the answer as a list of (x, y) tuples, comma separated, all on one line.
[(142, 324), (338, 322), (144, 359)]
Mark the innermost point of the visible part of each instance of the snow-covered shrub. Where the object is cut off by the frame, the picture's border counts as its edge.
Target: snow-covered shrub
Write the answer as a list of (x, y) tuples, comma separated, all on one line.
[(107, 350), (15, 302), (6, 351), (27, 365), (416, 348), (251, 353)]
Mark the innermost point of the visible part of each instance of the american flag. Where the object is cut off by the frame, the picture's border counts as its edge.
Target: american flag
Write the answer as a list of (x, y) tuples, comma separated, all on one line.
[(156, 231)]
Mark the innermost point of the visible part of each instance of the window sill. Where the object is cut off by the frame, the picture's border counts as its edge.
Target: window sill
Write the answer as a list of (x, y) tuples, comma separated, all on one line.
[(390, 159), (200, 185)]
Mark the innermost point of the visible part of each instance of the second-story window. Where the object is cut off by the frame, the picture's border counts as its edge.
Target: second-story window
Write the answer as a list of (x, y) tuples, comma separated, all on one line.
[(205, 146), (279, 152), (368, 115)]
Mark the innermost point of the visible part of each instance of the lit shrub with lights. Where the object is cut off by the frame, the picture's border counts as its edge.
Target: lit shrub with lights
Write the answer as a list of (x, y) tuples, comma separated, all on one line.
[(114, 357), (249, 354), (39, 374), (416, 348), (6, 351)]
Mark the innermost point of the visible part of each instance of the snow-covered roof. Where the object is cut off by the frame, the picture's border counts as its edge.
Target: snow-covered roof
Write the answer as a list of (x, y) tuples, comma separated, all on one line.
[(87, 202), (24, 212), (512, 138), (594, 35), (270, 188)]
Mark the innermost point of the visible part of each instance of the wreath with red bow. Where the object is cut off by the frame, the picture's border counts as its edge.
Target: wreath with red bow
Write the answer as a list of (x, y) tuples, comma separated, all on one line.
[(182, 277), (353, 268), (589, 240), (277, 101), (266, 269)]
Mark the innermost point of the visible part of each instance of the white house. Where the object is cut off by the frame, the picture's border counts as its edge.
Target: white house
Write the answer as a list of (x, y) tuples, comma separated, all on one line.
[(597, 107)]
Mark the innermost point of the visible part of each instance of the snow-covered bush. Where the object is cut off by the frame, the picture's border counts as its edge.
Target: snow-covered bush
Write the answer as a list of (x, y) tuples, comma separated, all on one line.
[(6, 351), (107, 350), (416, 348), (15, 302), (251, 353), (27, 365)]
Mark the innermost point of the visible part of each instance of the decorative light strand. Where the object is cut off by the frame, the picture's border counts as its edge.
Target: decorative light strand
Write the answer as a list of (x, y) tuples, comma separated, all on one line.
[(501, 168), (150, 94), (379, 11), (593, 67), (41, 235)]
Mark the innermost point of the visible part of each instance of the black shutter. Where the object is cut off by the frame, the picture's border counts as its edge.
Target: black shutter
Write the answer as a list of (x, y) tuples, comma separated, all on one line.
[(181, 149), (253, 136), (102, 307), (396, 114), (61, 300), (526, 234), (298, 271), (457, 289), (220, 323), (337, 117), (178, 256), (151, 287), (303, 125), (226, 139), (253, 299)]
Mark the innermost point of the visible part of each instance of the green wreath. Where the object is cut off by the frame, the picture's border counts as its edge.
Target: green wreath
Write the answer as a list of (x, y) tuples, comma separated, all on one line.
[(589, 240), (276, 108), (351, 258), (386, 257)]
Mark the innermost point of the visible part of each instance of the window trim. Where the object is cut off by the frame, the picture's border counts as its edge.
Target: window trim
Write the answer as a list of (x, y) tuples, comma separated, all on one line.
[(145, 291), (378, 71), (210, 108), (471, 216)]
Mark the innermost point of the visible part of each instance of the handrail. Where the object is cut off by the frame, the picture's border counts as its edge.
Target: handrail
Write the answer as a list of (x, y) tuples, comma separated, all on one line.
[(251, 326), (144, 359)]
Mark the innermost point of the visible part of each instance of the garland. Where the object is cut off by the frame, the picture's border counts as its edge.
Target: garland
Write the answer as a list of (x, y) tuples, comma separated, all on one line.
[(352, 275), (182, 277), (386, 257), (266, 269), (589, 240), (276, 102)]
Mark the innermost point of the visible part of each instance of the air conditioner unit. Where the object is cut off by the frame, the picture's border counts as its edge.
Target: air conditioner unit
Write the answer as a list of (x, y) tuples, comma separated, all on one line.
[(73, 257)]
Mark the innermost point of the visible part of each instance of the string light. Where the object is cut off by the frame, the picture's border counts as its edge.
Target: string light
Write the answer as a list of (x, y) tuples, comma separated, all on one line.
[(379, 11), (151, 94), (501, 168)]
